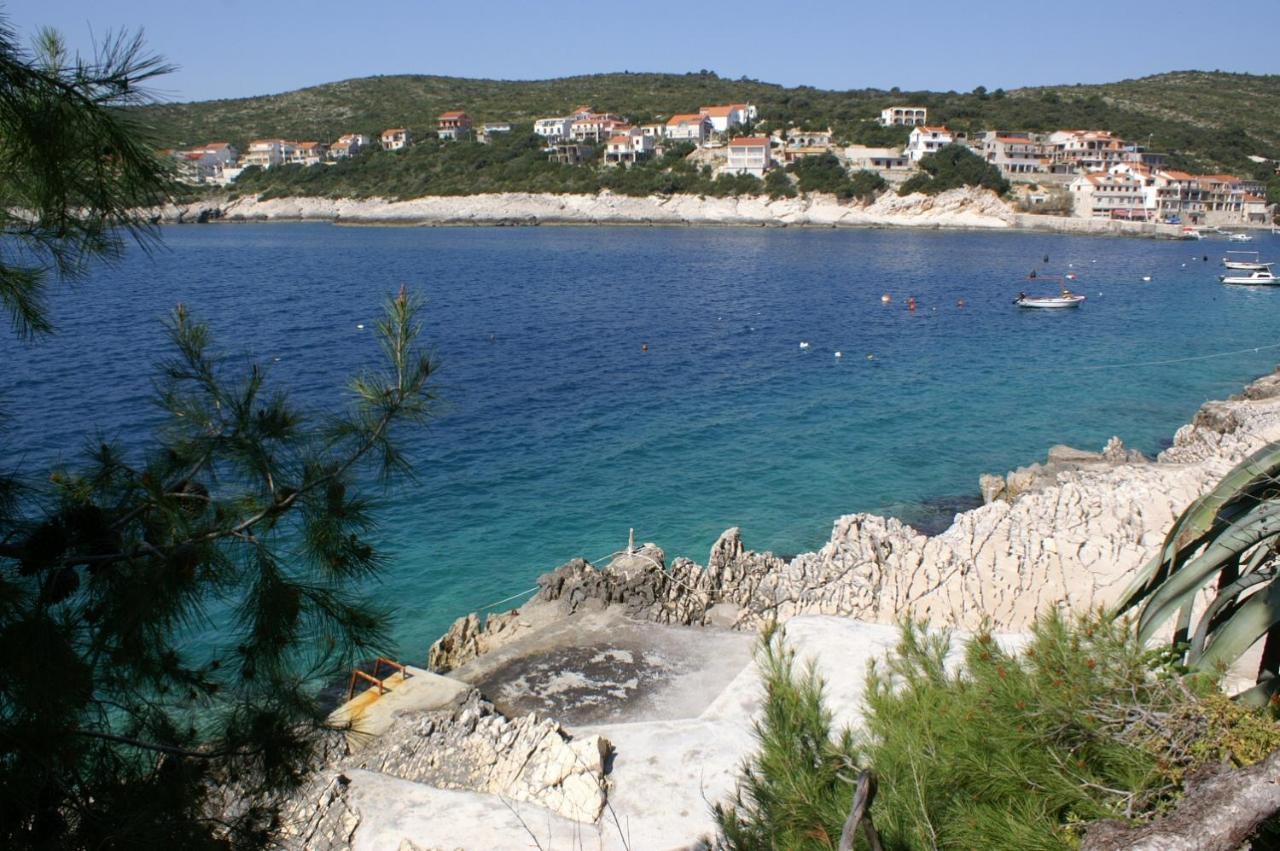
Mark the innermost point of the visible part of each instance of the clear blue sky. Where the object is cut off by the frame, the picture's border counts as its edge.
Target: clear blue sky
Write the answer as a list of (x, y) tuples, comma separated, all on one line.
[(236, 48)]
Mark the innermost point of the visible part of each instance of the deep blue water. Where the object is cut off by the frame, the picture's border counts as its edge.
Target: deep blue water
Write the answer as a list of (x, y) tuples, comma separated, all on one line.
[(558, 432)]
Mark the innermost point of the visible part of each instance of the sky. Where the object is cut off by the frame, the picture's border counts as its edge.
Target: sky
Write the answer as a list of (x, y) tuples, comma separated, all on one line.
[(240, 48)]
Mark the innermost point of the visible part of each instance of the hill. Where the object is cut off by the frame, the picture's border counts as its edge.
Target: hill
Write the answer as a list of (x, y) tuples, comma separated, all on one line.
[(1206, 120)]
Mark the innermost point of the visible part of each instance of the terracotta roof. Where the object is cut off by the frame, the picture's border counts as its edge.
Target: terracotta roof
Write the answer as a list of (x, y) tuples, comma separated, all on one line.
[(445, 116), (1255, 198), (1179, 175), (394, 130), (619, 140), (749, 142), (719, 111), (926, 129), (691, 117)]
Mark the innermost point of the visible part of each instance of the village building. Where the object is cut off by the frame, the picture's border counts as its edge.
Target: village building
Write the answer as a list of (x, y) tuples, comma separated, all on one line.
[(348, 145), (749, 155), (489, 130), (925, 140), (1013, 154), (727, 116), (903, 116), (594, 128), (1086, 150), (306, 153), (553, 129), (861, 157), (396, 139), (453, 126), (629, 147), (690, 127), (266, 153), (569, 153), (1110, 196)]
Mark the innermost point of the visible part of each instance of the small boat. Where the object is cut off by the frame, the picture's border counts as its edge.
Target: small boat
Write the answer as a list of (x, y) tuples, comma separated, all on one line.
[(1065, 298), (1191, 233), (1243, 263), (1239, 237), (1257, 278)]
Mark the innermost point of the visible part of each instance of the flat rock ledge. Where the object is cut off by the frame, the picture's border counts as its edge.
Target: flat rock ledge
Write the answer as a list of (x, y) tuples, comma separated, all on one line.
[(471, 747), (1067, 534)]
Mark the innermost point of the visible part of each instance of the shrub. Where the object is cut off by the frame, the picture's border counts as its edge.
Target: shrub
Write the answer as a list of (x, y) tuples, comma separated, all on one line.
[(952, 167), (1009, 751)]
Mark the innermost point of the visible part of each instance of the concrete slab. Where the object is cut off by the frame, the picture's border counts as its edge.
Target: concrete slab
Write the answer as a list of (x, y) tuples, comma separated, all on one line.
[(371, 711), (602, 668)]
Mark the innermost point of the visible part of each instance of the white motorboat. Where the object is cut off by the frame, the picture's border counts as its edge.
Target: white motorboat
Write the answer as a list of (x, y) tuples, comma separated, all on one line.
[(1239, 237), (1191, 233), (1257, 278), (1065, 298), (1241, 261)]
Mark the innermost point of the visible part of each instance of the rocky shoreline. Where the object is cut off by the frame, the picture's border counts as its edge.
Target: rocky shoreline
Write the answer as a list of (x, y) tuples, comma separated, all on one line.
[(622, 690), (967, 208), (1064, 534)]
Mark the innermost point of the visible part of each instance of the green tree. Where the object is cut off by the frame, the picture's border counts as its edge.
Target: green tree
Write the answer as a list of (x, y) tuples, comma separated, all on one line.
[(951, 167), (241, 519)]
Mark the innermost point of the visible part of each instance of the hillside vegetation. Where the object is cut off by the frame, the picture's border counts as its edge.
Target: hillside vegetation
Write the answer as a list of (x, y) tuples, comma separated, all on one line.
[(1205, 120)]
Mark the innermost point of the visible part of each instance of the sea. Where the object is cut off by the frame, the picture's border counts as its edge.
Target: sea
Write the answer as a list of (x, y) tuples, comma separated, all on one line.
[(672, 381)]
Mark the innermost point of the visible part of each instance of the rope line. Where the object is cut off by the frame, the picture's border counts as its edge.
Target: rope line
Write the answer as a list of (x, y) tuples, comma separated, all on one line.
[(1182, 360)]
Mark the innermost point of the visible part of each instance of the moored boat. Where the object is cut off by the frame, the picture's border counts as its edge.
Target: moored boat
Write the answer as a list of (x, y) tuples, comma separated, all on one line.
[(1065, 298), (1259, 277), (1242, 262), (1239, 237)]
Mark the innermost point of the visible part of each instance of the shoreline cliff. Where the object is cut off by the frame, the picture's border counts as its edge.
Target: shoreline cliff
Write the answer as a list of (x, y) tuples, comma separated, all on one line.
[(967, 208)]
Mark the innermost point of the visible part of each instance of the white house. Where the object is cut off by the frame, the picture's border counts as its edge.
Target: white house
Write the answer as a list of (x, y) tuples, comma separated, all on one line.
[(306, 153), (553, 129), (265, 153), (875, 159), (489, 130), (396, 139), (348, 145), (692, 127), (595, 128), (1013, 153), (629, 147), (1112, 196), (749, 155), (925, 140), (903, 115), (725, 117)]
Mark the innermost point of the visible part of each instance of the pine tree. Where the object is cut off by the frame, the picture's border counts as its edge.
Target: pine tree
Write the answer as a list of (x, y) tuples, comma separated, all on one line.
[(241, 518)]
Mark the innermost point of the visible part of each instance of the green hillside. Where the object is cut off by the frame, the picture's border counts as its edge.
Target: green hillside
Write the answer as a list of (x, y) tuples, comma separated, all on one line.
[(1206, 120)]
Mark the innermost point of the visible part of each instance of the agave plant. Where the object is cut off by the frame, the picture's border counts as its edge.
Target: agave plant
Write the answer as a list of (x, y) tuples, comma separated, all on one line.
[(1229, 534)]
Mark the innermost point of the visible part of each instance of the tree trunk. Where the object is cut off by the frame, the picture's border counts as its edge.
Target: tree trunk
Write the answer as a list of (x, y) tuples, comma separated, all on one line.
[(1221, 810)]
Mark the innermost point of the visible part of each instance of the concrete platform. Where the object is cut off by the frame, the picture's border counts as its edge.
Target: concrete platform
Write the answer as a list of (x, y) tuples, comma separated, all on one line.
[(370, 712), (680, 734)]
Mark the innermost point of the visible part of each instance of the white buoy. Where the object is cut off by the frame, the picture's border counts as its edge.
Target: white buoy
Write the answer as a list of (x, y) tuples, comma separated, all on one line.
[(803, 344), (839, 354), (886, 298), (871, 357), (360, 327), (1146, 277), (1093, 261)]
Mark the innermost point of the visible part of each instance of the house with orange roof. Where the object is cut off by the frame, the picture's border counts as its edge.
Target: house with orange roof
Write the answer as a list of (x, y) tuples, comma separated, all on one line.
[(909, 116), (1106, 195), (1013, 153), (267, 153), (690, 127), (395, 139), (749, 155), (453, 126), (1087, 150), (348, 145), (595, 128), (724, 117), (925, 140), (629, 146), (307, 153)]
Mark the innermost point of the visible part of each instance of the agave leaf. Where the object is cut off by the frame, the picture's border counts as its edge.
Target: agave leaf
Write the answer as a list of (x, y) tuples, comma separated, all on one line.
[(1223, 604), (1167, 561), (1180, 588), (1260, 695), (1260, 468), (1250, 622)]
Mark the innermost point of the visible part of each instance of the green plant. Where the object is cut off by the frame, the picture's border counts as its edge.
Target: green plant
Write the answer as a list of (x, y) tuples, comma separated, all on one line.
[(999, 749), (1229, 535), (952, 167)]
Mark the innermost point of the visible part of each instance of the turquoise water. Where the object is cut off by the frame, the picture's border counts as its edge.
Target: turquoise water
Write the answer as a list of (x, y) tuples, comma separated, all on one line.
[(558, 433)]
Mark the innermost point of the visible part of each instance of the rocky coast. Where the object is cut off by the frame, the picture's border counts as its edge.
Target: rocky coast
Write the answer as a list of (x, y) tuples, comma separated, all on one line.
[(615, 707), (956, 208)]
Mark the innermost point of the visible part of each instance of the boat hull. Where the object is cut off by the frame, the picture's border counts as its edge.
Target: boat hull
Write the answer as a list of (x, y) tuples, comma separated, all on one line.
[(1049, 303)]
